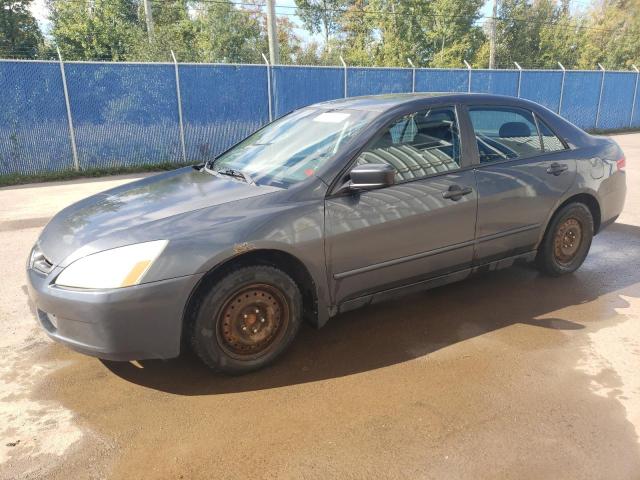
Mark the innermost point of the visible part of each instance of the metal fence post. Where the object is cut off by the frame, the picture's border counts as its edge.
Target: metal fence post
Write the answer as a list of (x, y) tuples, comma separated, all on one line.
[(600, 96), (72, 134), (268, 86), (635, 93), (564, 73), (413, 80), (184, 148), (345, 75), (519, 77), (469, 79)]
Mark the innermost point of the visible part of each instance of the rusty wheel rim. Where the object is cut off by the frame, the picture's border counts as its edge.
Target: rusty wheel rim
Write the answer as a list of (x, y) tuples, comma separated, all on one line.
[(252, 321), (567, 240)]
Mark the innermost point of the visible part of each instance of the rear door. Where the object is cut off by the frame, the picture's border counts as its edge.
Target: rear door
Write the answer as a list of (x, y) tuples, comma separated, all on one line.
[(422, 226), (522, 170)]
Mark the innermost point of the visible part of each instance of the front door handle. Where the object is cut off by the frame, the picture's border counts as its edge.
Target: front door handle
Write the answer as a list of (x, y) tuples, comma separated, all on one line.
[(456, 192), (557, 168)]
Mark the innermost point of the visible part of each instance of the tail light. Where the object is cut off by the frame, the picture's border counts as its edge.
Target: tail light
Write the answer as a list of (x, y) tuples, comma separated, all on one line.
[(622, 163)]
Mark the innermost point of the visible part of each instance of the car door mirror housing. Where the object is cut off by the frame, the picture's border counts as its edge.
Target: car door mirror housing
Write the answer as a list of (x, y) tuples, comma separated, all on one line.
[(371, 176)]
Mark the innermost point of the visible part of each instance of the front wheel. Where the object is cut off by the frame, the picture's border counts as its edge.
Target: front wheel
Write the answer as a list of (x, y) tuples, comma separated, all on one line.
[(567, 240), (247, 319)]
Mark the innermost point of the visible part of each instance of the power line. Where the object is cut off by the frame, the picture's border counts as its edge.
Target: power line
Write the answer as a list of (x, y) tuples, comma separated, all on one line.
[(483, 18)]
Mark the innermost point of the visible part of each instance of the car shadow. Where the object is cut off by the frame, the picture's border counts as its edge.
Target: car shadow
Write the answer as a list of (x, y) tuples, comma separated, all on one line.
[(414, 326)]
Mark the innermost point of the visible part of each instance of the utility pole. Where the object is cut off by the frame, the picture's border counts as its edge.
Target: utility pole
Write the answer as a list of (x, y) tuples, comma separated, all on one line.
[(492, 36), (148, 15), (272, 33)]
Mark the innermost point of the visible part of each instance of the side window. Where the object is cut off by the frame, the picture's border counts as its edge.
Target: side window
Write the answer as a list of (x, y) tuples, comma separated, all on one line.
[(550, 141), (417, 145), (504, 133)]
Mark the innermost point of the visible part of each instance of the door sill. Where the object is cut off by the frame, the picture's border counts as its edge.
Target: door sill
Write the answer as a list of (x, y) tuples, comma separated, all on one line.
[(430, 283)]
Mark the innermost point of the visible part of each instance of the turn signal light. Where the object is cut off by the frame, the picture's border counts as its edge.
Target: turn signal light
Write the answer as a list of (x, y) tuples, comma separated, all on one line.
[(622, 163)]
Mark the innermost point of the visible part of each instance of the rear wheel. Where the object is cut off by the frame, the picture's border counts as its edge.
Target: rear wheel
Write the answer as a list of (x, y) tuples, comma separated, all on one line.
[(567, 240), (247, 319)]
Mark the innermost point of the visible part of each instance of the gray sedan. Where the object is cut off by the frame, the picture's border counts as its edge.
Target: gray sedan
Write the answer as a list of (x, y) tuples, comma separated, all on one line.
[(330, 208)]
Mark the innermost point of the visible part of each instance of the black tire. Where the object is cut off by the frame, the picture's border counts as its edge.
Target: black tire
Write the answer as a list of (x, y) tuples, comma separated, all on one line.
[(226, 333), (567, 240)]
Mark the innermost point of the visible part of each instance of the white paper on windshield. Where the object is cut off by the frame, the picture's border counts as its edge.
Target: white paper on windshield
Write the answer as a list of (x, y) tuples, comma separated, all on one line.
[(332, 117)]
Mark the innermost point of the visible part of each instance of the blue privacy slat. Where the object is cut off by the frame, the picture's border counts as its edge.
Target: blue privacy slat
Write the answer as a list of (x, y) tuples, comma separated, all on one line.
[(617, 97), (580, 100), (124, 115), (375, 81), (542, 87), (34, 133), (442, 80), (295, 87), (500, 82), (221, 105)]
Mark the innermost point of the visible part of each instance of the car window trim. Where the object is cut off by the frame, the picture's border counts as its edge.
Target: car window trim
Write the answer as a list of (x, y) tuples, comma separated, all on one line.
[(499, 162), (457, 110)]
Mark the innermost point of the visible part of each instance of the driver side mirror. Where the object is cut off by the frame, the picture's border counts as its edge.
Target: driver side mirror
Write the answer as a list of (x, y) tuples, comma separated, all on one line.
[(371, 176)]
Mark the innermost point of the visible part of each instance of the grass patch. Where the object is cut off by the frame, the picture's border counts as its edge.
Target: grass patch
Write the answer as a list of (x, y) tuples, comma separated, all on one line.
[(20, 179)]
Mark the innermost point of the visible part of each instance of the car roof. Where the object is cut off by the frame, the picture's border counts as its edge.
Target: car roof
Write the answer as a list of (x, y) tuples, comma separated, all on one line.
[(381, 103)]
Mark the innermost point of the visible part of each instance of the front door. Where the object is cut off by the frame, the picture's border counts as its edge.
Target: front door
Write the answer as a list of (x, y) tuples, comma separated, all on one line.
[(523, 171), (421, 227)]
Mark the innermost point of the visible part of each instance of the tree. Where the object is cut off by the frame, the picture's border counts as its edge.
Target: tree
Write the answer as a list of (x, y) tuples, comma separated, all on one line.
[(322, 16), (401, 26), (174, 30), (452, 34), (20, 35), (536, 35), (388, 32), (230, 34), (96, 29), (357, 42), (611, 35)]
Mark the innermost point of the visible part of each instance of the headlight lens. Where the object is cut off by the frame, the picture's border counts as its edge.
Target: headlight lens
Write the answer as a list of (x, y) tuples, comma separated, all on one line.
[(115, 268)]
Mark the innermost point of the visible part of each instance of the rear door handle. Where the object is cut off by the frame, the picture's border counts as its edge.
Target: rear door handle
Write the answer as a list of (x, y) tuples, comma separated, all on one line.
[(456, 192), (557, 168)]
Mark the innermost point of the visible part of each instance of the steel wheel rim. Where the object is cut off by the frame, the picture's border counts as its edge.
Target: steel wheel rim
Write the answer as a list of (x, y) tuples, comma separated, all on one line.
[(567, 241), (252, 321)]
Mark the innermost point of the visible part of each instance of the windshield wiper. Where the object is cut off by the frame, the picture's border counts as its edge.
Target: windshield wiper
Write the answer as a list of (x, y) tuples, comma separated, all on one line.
[(231, 172)]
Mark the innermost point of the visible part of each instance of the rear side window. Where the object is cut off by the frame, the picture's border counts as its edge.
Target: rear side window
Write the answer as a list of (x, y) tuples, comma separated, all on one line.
[(550, 141), (505, 133)]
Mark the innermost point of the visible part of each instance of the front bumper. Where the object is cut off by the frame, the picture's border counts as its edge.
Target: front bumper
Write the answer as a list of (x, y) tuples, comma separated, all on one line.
[(132, 323)]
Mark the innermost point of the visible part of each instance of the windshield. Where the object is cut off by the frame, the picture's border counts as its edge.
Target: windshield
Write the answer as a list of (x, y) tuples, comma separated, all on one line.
[(292, 148)]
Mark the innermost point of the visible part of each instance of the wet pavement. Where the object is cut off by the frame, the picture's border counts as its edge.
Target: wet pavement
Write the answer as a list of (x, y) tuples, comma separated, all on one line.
[(507, 375)]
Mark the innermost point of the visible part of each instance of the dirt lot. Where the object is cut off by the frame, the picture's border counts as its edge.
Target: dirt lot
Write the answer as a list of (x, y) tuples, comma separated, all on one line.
[(508, 375)]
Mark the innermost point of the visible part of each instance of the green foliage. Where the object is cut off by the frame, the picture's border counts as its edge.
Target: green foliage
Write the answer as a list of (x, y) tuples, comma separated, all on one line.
[(614, 40), (322, 16), (227, 34), (434, 33), (536, 35), (19, 32), (95, 29)]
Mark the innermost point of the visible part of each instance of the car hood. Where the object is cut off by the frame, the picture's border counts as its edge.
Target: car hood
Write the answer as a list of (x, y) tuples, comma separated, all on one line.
[(135, 204)]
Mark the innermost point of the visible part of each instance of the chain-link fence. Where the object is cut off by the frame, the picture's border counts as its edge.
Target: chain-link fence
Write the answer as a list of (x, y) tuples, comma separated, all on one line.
[(81, 115)]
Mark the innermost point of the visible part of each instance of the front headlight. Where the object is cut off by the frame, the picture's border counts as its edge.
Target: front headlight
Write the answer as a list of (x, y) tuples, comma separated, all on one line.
[(115, 268)]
